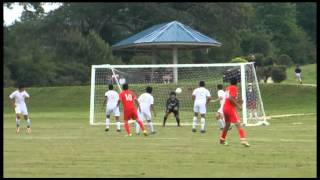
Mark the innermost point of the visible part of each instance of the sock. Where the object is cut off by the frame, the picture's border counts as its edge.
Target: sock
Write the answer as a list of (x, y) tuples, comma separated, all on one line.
[(164, 120), (241, 133), (118, 125), (224, 134), (107, 123), (126, 126), (203, 123), (28, 123), (221, 123), (17, 122), (194, 122), (140, 124), (178, 121), (256, 115), (137, 127), (151, 126)]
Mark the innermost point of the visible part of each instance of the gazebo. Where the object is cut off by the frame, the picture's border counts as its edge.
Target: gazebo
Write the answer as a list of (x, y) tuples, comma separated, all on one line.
[(167, 36)]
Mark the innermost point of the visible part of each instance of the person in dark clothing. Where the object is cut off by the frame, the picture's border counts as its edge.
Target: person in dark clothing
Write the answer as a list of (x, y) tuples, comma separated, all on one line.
[(172, 106), (298, 74)]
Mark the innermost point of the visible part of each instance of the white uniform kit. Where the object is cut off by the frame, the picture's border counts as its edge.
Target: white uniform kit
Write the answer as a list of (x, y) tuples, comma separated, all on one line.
[(21, 107), (221, 95), (201, 94), (145, 101), (112, 107)]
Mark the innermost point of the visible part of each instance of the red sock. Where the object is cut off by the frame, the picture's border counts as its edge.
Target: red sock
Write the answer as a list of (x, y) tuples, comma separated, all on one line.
[(224, 134), (241, 133), (126, 126), (140, 124)]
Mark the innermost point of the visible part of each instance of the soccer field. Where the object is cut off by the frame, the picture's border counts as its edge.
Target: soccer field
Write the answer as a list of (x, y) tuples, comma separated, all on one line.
[(63, 144)]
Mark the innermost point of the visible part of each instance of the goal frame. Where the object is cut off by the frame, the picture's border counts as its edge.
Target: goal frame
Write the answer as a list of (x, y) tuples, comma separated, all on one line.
[(242, 74)]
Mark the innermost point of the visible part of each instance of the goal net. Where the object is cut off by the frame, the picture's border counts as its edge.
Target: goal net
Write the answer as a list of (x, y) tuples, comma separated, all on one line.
[(162, 79)]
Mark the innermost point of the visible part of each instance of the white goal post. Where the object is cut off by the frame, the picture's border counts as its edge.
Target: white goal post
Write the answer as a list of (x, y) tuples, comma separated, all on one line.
[(161, 78)]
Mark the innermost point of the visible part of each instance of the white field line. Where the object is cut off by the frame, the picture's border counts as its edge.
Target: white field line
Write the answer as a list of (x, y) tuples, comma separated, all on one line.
[(313, 85), (189, 124)]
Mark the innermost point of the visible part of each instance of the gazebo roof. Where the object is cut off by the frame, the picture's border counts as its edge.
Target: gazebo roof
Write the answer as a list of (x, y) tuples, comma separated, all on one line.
[(167, 36)]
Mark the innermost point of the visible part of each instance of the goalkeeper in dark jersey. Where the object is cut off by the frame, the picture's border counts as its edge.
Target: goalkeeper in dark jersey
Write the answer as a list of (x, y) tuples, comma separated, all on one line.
[(172, 106)]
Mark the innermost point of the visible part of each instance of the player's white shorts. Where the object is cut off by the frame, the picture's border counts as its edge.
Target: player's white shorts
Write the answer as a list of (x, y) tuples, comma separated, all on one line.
[(145, 115), (114, 110), (298, 75), (200, 108), (21, 109)]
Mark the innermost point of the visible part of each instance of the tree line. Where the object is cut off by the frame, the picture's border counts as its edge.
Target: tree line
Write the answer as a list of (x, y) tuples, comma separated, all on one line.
[(59, 47)]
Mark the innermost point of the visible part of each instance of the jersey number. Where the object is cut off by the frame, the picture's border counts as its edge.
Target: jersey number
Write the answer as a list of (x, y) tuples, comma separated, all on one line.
[(128, 97)]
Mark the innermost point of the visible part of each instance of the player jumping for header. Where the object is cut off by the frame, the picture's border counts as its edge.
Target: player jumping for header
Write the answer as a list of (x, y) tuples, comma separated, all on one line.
[(230, 113), (20, 107), (128, 99)]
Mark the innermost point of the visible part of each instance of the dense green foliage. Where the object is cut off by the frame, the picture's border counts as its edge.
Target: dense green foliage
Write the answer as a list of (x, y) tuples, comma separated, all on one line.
[(58, 48)]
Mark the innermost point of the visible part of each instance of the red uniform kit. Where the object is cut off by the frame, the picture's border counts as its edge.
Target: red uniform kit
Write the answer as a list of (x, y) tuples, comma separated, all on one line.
[(229, 109), (127, 98), (130, 112)]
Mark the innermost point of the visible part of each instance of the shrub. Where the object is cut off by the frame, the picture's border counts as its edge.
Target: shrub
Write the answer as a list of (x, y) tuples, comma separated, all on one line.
[(284, 59), (278, 73)]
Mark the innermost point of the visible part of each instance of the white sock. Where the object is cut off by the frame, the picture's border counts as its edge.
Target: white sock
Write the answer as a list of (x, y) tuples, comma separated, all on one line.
[(17, 122), (203, 123), (107, 123), (28, 123), (221, 123), (194, 122), (118, 125), (151, 126), (256, 115), (137, 128)]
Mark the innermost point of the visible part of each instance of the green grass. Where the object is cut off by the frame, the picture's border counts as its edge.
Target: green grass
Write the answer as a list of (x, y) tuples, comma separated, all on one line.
[(63, 144), (308, 74)]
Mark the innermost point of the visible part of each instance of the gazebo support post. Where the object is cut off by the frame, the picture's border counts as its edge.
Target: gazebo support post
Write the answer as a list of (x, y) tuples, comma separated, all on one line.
[(175, 61)]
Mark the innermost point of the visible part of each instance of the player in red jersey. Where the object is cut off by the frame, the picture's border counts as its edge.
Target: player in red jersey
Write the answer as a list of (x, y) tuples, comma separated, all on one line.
[(130, 112), (230, 113)]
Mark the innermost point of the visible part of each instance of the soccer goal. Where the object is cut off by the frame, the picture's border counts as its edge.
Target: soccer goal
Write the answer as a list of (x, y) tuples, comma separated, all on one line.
[(165, 78)]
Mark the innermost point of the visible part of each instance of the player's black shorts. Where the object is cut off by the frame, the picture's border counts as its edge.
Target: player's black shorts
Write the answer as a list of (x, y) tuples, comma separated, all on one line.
[(175, 112)]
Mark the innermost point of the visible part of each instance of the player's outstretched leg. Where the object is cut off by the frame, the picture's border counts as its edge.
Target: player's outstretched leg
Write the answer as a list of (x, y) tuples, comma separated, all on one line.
[(194, 123), (142, 126), (107, 123), (137, 128), (17, 124), (126, 126), (242, 135), (28, 123), (224, 134), (165, 119)]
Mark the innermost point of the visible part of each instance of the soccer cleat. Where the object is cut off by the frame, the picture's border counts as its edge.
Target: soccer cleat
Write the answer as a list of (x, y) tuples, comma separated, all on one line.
[(225, 143), (18, 130), (118, 130), (245, 143), (203, 131), (194, 130), (145, 133), (153, 132), (28, 130), (107, 129), (130, 135)]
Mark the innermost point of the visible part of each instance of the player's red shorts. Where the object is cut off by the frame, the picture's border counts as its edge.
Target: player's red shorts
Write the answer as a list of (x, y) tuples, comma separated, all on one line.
[(130, 114), (231, 116)]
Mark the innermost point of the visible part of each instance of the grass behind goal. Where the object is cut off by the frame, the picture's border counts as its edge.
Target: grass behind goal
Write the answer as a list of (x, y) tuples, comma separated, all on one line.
[(63, 144)]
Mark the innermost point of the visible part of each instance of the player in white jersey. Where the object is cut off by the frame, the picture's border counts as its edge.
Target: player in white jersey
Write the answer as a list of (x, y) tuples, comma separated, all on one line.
[(146, 101), (112, 98), (20, 107), (201, 96), (220, 117)]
